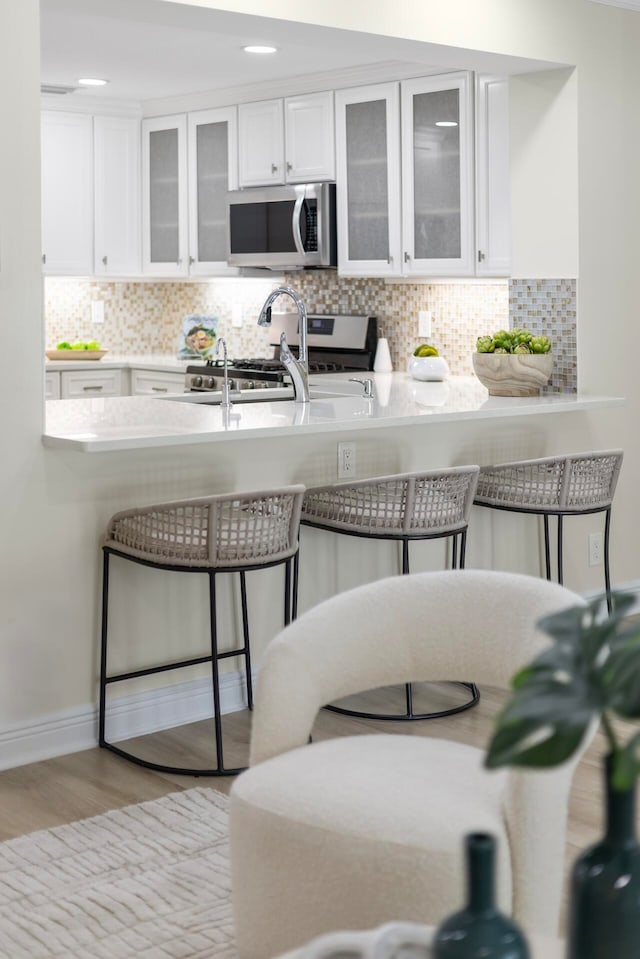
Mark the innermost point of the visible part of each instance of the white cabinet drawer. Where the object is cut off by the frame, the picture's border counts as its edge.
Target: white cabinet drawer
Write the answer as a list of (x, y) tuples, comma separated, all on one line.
[(52, 386), (84, 383), (154, 383)]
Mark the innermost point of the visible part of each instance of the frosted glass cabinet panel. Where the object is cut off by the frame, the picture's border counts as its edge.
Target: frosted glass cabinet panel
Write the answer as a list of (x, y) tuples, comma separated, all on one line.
[(213, 165), (164, 196), (437, 175), (368, 180)]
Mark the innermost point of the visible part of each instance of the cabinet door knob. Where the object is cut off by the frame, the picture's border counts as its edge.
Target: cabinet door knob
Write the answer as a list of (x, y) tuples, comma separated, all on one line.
[(389, 259), (407, 257), (192, 260), (481, 256), (274, 168), (44, 257), (289, 167), (104, 260)]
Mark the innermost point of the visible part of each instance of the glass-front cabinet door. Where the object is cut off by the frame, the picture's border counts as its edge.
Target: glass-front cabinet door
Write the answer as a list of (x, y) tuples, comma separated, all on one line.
[(368, 180), (164, 195), (437, 176), (213, 170)]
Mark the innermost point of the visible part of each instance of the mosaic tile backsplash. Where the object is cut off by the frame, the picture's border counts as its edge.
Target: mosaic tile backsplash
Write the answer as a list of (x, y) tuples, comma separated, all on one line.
[(146, 317)]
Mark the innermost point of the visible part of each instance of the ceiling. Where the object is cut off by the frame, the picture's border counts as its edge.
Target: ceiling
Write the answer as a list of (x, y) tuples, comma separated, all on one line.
[(152, 49)]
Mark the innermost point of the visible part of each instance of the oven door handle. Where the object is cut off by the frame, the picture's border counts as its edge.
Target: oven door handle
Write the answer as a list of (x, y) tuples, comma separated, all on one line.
[(295, 222)]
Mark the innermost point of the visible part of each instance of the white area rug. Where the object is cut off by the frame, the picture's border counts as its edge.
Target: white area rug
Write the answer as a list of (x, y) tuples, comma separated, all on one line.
[(149, 881)]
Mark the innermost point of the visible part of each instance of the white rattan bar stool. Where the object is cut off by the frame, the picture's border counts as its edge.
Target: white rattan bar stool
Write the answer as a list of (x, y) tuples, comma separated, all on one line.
[(558, 486), (228, 533), (404, 507)]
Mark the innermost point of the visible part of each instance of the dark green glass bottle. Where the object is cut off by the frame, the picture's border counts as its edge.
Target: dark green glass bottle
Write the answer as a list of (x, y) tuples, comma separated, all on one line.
[(604, 899), (480, 930)]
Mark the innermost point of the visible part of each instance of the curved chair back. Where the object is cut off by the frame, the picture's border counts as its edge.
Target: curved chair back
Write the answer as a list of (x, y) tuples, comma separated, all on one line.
[(448, 625)]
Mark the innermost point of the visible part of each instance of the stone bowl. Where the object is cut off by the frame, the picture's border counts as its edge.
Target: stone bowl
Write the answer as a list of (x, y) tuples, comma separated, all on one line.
[(513, 374)]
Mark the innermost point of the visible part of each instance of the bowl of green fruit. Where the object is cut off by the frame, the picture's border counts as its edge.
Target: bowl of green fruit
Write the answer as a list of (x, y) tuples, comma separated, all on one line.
[(513, 362), (76, 351), (427, 365)]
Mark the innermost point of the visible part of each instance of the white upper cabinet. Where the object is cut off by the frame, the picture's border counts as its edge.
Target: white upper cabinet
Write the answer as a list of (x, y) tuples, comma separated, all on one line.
[(493, 220), (286, 141), (368, 180), (437, 176), (309, 149), (117, 196), (164, 196), (261, 142), (67, 193), (213, 170)]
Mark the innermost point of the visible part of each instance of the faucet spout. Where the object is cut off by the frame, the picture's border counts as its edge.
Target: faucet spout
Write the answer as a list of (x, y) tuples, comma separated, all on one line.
[(298, 369)]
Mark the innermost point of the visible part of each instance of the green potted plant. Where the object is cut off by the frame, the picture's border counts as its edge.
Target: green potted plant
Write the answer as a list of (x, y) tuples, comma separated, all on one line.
[(590, 674), (513, 362)]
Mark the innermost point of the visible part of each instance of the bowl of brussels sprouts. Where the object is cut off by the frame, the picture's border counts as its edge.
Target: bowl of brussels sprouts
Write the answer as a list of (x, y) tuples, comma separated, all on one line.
[(513, 362)]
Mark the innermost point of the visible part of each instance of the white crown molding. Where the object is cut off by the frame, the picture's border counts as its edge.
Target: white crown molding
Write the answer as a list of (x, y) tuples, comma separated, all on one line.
[(97, 106), (291, 86), (72, 730)]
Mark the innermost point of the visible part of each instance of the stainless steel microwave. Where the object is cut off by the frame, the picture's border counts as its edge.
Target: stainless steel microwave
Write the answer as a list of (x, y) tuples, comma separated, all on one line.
[(283, 226)]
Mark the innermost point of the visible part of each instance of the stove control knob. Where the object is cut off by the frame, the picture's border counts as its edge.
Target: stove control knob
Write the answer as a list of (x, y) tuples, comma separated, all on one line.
[(197, 381), (232, 384), (209, 382), (251, 385)]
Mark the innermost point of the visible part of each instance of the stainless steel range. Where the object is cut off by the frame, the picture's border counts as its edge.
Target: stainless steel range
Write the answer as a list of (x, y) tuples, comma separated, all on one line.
[(336, 344)]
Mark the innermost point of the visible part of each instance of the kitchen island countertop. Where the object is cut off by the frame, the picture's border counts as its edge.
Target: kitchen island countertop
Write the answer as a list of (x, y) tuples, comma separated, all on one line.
[(338, 405)]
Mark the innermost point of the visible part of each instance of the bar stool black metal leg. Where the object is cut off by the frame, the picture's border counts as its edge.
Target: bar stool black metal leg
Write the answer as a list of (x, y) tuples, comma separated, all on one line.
[(245, 633), (408, 693), (463, 548), (454, 551), (547, 553), (607, 572), (560, 549), (405, 557), (103, 649), (287, 592), (214, 671), (294, 599)]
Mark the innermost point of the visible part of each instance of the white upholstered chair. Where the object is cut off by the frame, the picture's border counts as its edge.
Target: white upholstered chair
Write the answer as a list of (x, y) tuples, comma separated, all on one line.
[(356, 831)]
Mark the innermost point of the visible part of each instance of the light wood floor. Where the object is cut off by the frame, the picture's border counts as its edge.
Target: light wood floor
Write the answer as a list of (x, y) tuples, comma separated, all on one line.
[(87, 783)]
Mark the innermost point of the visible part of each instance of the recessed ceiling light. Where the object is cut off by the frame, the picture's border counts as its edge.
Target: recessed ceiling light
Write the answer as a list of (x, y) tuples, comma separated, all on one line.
[(92, 82), (258, 49), (446, 123)]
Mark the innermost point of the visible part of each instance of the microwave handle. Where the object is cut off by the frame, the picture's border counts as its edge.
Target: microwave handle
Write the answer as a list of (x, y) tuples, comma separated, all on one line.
[(295, 223)]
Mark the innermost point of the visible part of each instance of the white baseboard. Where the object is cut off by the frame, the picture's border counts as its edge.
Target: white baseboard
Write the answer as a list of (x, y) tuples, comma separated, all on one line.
[(72, 730)]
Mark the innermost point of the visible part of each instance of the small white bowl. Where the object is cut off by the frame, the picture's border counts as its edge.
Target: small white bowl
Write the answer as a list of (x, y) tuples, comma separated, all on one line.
[(428, 368)]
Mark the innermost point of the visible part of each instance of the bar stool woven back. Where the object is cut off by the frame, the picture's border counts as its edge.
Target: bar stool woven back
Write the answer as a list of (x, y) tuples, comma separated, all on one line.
[(404, 507), (577, 484), (216, 531), (226, 533)]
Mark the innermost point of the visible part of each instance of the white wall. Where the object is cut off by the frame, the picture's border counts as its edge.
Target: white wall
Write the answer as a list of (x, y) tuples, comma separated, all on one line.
[(55, 504)]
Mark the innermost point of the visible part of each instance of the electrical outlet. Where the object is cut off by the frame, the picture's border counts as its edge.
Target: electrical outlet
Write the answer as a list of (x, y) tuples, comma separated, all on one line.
[(424, 323), (346, 460), (97, 311), (595, 549)]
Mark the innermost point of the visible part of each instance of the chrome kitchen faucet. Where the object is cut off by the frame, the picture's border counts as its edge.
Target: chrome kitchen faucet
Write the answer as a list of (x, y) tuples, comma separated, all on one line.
[(298, 369)]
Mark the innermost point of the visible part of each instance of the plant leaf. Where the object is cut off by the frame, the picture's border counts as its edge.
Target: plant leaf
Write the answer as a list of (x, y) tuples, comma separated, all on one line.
[(626, 764), (530, 743)]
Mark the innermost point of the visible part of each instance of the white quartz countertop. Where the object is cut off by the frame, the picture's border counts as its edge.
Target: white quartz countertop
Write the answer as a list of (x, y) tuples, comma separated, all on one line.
[(136, 422), (163, 362)]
